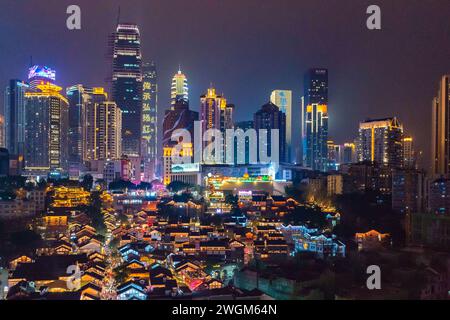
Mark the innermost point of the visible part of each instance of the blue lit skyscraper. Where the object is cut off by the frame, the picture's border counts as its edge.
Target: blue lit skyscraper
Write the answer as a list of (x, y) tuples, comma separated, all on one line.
[(315, 119)]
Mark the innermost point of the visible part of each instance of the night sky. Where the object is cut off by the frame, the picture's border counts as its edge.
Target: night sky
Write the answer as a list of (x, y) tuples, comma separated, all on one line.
[(247, 48)]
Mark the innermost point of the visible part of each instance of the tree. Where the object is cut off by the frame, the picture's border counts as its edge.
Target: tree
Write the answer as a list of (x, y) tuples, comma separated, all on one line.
[(88, 182), (231, 200), (94, 211), (176, 186), (144, 186), (121, 185)]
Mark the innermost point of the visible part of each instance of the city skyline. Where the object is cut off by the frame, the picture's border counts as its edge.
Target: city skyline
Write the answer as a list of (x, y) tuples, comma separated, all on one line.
[(356, 84)]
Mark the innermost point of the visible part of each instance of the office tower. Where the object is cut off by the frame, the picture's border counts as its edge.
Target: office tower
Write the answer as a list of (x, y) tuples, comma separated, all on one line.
[(127, 84), (15, 119), (179, 92), (440, 135), (283, 100), (380, 141), (408, 156), (177, 117), (270, 117), (40, 75), (103, 131), (315, 119), (47, 122), (149, 111)]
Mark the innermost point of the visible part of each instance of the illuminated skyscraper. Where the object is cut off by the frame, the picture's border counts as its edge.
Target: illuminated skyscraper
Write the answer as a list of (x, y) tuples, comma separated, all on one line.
[(15, 119), (102, 131), (78, 97), (380, 141), (270, 117), (440, 134), (47, 115), (212, 110), (177, 117), (315, 119), (179, 90), (127, 84), (215, 113), (82, 100), (283, 100), (149, 111), (408, 156)]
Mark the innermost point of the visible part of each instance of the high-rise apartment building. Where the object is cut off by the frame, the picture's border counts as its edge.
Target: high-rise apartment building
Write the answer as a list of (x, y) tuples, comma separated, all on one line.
[(408, 156), (315, 119), (47, 115), (102, 131), (127, 84), (380, 141)]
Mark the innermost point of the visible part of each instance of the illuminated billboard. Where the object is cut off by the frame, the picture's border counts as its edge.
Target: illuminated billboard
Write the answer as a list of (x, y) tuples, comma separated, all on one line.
[(185, 167), (41, 72)]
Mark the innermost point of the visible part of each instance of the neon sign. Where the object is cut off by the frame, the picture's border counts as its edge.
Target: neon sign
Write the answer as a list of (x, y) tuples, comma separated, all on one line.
[(42, 72)]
